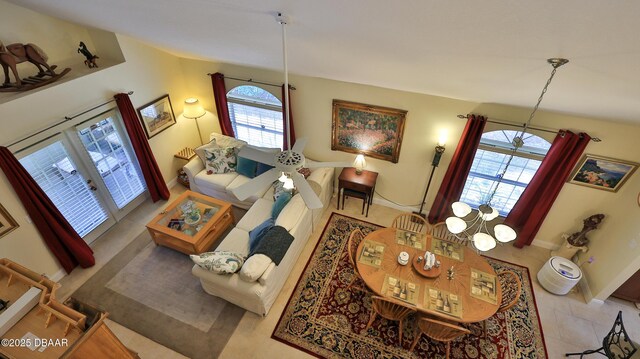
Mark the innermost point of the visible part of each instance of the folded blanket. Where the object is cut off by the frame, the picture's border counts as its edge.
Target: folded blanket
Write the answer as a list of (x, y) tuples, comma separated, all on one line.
[(275, 244)]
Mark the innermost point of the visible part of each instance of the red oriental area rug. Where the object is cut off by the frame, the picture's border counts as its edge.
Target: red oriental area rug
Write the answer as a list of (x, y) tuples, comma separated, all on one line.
[(325, 319)]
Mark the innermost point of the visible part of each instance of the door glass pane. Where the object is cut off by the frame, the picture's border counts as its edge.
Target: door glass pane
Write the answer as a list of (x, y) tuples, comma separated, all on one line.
[(55, 172), (104, 145)]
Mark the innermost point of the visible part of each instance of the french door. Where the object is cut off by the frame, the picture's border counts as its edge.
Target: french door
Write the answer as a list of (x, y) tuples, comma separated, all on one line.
[(89, 174)]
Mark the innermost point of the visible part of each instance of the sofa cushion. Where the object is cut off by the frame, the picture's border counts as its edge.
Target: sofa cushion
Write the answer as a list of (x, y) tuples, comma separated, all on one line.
[(256, 234), (221, 160), (218, 182), (221, 262), (292, 213), (279, 204), (254, 267), (247, 167), (239, 181), (200, 150), (236, 241), (275, 244), (258, 213)]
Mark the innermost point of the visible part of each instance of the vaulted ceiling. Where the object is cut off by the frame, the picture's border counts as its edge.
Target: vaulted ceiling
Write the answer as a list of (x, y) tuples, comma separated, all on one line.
[(490, 51)]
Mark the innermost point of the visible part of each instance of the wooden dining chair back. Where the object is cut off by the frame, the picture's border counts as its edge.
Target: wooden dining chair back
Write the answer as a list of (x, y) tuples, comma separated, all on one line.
[(440, 231), (511, 290), (353, 242), (390, 309), (438, 330), (411, 222)]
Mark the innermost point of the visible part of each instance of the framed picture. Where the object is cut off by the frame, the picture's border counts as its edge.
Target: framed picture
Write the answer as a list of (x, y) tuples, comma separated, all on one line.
[(157, 116), (602, 173), (7, 223), (371, 130)]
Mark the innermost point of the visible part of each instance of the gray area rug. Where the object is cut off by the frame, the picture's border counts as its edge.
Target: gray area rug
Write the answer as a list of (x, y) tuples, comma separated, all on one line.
[(150, 290)]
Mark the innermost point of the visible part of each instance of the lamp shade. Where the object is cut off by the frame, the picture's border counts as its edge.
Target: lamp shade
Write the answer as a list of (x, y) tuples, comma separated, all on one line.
[(504, 233), (460, 209), (455, 225), (483, 241), (359, 163), (193, 108), (491, 215)]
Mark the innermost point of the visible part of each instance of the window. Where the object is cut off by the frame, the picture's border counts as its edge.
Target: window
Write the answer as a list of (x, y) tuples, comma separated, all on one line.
[(256, 116), (490, 160)]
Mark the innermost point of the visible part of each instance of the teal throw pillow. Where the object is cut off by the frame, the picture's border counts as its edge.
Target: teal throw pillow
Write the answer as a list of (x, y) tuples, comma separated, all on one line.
[(246, 167), (279, 204), (262, 168), (256, 234)]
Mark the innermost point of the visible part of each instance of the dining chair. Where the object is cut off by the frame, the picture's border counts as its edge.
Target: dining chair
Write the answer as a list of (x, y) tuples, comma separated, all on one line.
[(353, 242), (511, 291), (390, 309), (411, 222), (616, 344), (441, 231), (440, 331)]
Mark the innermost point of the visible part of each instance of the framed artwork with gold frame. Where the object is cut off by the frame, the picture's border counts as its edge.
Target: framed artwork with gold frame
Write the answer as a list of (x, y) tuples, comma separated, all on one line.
[(603, 173), (7, 223)]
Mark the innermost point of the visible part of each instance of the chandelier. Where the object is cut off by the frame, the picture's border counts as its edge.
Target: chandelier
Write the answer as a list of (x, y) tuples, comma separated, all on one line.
[(473, 226)]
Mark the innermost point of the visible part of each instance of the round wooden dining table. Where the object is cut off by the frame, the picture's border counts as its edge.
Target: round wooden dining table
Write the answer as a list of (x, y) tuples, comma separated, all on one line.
[(473, 309)]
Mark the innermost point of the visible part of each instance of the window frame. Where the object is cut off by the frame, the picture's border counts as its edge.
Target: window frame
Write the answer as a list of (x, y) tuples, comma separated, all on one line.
[(255, 103)]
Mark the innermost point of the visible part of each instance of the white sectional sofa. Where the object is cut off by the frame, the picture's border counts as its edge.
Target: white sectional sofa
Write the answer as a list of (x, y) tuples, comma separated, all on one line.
[(258, 296)]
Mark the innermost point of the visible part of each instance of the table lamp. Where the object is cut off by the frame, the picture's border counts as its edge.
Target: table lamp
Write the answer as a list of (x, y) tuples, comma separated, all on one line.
[(193, 109)]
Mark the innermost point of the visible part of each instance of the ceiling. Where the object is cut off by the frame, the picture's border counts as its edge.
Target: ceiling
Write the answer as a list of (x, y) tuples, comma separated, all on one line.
[(490, 51)]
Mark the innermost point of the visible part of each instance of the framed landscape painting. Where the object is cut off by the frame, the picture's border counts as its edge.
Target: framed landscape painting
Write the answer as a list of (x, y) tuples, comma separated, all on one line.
[(7, 223), (157, 116), (602, 173), (373, 131)]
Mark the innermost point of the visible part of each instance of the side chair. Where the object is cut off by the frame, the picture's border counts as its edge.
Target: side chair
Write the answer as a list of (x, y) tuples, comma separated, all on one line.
[(390, 309), (616, 344), (411, 222), (439, 330), (353, 242)]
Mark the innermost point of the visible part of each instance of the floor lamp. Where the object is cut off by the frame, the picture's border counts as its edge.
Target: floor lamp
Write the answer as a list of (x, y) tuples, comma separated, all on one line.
[(434, 164), (193, 109)]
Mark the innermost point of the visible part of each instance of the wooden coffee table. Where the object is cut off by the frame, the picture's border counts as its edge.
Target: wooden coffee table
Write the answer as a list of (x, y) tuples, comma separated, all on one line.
[(191, 235)]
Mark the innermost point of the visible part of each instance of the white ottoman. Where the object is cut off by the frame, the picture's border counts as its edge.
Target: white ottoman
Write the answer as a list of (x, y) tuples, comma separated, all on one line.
[(559, 275)]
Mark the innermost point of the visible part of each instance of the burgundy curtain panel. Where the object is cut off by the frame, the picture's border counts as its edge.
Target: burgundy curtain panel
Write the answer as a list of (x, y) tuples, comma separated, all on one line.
[(288, 129), (152, 176), (63, 241), (220, 96), (456, 175), (529, 212)]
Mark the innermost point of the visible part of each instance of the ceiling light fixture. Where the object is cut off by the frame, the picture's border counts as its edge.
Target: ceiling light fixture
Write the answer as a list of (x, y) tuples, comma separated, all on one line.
[(473, 226)]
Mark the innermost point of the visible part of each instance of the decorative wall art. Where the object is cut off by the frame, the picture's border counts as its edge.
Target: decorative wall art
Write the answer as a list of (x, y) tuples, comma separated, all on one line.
[(157, 116), (371, 130), (601, 172), (7, 223)]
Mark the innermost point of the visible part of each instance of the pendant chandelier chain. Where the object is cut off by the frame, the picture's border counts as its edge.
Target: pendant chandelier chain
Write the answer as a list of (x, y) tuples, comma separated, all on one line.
[(518, 140)]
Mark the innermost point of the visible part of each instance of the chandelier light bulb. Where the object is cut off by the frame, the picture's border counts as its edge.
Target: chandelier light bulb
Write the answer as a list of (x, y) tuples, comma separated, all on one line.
[(504, 233), (483, 242), (455, 225), (460, 209)]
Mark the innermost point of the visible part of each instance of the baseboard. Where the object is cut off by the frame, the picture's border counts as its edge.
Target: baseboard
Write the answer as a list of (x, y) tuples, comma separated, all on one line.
[(586, 292), (386, 203), (173, 182), (58, 275)]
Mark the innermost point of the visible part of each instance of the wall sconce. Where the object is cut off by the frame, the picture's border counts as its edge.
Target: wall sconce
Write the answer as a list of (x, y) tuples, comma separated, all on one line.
[(359, 164), (193, 109), (439, 150)]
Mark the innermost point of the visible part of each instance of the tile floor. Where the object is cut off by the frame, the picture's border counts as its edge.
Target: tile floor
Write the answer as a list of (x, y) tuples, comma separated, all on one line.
[(569, 324)]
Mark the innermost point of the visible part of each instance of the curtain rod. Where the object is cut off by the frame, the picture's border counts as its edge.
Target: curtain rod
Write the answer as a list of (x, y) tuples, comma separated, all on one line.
[(501, 122), (255, 82), (66, 118)]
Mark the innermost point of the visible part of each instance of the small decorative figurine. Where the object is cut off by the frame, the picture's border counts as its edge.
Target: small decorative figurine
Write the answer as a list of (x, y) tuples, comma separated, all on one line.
[(14, 54), (580, 239), (91, 58)]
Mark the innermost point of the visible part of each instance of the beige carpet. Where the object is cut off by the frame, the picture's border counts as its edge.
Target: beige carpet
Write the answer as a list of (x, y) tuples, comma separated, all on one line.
[(151, 290)]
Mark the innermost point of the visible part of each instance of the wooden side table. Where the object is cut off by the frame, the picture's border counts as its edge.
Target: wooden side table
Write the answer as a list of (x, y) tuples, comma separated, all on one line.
[(184, 154), (364, 183)]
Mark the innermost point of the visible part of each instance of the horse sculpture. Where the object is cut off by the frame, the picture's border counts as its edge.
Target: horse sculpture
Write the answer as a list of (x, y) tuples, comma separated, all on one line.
[(13, 54), (90, 58)]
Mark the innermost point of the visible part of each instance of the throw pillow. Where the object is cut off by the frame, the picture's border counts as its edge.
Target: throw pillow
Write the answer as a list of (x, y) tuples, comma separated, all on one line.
[(304, 171), (256, 234), (275, 244), (221, 160), (262, 168), (247, 167), (200, 150), (254, 267), (279, 204), (278, 189), (220, 262)]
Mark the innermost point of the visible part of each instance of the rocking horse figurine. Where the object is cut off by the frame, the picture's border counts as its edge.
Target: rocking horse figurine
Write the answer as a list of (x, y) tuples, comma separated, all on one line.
[(91, 58), (13, 54)]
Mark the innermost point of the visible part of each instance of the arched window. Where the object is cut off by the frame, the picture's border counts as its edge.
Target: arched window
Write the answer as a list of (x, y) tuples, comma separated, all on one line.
[(490, 160), (256, 116)]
